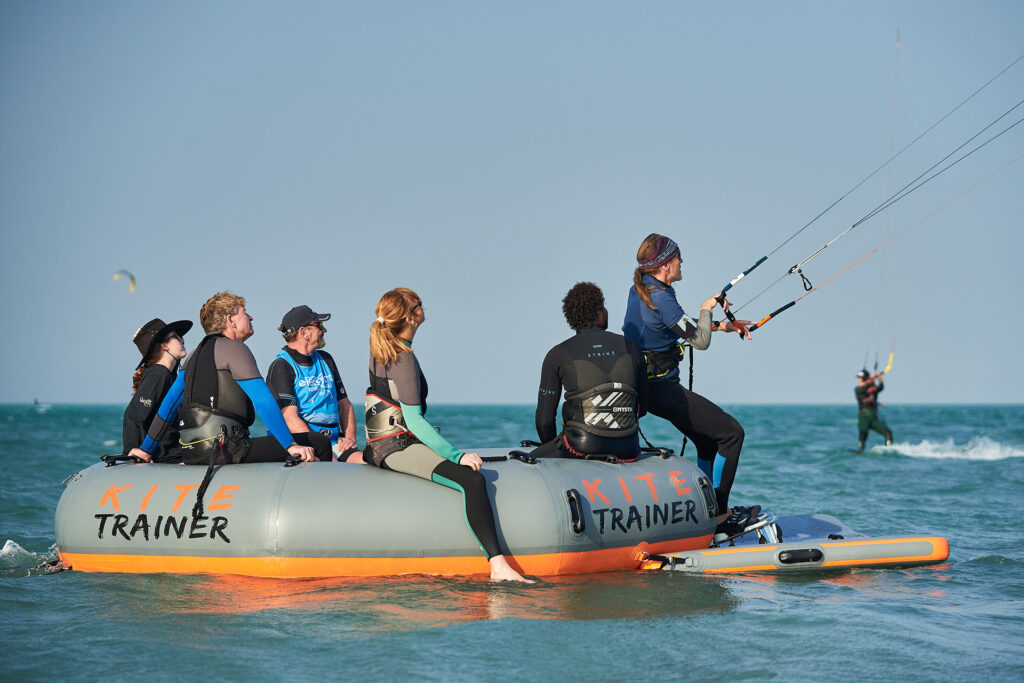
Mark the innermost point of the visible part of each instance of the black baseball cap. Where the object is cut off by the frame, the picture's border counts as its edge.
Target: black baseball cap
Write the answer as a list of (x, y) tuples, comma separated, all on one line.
[(300, 316)]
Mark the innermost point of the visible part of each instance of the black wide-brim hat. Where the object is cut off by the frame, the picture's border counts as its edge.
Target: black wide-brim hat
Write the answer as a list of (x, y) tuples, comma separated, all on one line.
[(153, 333)]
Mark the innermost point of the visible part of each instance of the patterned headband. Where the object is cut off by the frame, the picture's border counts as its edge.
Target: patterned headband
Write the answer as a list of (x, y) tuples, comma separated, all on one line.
[(664, 251)]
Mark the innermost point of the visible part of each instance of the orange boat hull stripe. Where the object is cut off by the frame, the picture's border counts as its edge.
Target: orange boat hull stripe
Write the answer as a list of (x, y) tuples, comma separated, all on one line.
[(544, 564)]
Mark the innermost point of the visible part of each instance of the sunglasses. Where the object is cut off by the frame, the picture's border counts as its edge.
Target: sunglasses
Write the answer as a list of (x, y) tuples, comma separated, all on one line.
[(317, 325)]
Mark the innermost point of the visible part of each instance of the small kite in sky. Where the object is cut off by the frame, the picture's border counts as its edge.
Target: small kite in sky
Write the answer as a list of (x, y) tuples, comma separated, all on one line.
[(131, 279)]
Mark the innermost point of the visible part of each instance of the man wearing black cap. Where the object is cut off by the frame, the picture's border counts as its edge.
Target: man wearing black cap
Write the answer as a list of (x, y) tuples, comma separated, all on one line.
[(162, 348), (866, 391), (308, 387)]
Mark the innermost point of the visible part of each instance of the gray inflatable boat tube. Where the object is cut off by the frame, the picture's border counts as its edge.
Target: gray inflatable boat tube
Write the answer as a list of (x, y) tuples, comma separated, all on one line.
[(556, 516)]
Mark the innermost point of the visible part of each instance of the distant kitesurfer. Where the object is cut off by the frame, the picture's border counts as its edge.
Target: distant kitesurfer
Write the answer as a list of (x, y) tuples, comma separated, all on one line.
[(399, 438), (866, 391), (605, 384), (162, 348), (308, 386), (656, 322), (216, 398)]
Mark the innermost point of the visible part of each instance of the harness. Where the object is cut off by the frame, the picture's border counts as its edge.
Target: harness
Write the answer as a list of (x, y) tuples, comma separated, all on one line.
[(607, 410), (661, 363), (386, 431)]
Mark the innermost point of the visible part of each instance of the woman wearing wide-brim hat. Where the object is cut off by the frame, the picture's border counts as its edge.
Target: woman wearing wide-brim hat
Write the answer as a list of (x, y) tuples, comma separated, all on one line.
[(162, 348)]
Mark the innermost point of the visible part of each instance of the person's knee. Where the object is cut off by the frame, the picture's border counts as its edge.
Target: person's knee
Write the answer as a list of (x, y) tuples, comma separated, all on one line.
[(474, 480), (736, 433)]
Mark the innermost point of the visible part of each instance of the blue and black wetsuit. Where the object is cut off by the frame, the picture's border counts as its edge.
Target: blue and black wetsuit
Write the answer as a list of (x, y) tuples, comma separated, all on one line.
[(399, 438), (657, 331), (220, 391)]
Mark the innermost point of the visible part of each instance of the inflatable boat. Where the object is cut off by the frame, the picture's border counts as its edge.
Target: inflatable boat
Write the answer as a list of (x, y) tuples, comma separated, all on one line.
[(815, 543), (553, 516)]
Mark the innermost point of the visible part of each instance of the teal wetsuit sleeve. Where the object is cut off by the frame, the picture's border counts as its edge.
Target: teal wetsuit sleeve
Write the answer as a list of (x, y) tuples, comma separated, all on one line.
[(266, 407), (165, 415), (423, 431)]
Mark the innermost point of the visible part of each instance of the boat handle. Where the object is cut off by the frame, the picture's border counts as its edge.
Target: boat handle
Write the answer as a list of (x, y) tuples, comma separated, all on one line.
[(576, 510), (112, 460), (709, 495), (802, 555), (525, 457)]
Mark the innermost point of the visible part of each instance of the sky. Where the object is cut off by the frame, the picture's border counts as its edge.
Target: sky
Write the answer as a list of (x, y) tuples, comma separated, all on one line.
[(489, 155)]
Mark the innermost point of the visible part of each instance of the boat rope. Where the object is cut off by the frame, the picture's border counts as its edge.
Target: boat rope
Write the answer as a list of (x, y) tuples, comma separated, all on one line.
[(904, 192), (197, 509), (868, 177), (776, 312)]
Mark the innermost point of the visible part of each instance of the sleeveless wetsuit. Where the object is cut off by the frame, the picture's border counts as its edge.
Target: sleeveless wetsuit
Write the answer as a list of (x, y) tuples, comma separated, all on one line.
[(710, 428), (605, 384), (226, 390), (399, 438)]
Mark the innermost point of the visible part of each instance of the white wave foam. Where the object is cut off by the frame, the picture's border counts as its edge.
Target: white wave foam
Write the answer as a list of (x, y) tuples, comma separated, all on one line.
[(13, 555), (978, 448)]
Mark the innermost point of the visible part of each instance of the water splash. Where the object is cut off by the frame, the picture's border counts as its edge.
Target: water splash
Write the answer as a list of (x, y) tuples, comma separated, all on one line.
[(978, 448), (16, 561)]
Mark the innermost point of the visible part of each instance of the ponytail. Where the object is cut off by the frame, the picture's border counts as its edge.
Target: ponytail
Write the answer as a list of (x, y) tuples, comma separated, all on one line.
[(645, 253)]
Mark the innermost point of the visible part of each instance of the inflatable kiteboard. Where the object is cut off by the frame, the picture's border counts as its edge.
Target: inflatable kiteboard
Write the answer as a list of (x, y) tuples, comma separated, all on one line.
[(802, 543), (553, 516)]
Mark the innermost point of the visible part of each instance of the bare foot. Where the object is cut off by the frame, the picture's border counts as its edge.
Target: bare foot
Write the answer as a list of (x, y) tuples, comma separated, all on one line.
[(501, 570)]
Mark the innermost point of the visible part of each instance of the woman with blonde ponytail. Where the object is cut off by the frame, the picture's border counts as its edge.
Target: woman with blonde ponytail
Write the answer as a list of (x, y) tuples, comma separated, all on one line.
[(660, 327), (162, 348), (398, 436)]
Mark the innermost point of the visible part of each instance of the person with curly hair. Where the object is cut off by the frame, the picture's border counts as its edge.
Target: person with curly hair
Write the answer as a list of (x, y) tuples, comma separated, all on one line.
[(605, 386), (657, 323)]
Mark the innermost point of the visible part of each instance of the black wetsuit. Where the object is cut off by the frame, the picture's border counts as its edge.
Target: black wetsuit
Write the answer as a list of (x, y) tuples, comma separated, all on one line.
[(414, 447), (592, 359), (156, 380)]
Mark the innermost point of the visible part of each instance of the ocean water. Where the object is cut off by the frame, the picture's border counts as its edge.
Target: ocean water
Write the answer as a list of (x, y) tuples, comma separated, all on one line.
[(956, 471)]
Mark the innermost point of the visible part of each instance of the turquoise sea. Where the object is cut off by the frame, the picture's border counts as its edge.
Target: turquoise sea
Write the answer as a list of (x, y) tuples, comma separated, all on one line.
[(956, 471)]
